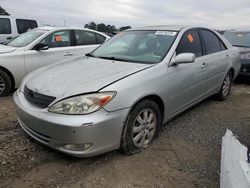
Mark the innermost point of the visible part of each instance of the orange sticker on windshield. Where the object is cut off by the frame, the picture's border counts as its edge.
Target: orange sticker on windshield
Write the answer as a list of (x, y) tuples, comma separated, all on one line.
[(58, 38), (190, 38)]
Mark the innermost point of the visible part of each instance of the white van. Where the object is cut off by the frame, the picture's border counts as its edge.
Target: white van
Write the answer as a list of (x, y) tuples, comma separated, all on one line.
[(11, 27)]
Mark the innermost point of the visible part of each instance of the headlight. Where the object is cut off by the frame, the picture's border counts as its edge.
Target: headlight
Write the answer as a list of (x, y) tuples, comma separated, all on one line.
[(245, 56), (83, 104)]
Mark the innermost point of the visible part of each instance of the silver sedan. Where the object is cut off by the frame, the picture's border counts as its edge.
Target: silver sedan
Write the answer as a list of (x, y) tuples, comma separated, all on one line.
[(120, 95)]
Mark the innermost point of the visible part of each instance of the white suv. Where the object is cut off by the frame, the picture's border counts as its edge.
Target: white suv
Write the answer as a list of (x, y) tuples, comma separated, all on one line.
[(41, 47), (11, 27)]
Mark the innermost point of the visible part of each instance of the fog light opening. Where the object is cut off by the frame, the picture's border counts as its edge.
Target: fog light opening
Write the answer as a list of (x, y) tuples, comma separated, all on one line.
[(77, 147)]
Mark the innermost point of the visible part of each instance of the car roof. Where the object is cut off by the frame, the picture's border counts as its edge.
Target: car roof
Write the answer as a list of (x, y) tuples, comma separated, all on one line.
[(162, 27), (49, 28)]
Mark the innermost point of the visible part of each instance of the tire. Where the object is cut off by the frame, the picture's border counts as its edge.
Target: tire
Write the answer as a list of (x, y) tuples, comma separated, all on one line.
[(141, 127), (5, 84), (226, 87)]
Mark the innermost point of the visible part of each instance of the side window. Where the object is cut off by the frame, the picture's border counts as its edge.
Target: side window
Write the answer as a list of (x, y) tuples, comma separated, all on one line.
[(190, 43), (5, 27), (85, 37), (25, 25), (57, 39), (100, 39), (211, 42)]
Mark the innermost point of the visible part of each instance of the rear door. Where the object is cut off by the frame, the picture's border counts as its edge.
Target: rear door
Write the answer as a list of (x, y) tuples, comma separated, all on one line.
[(187, 80), (216, 58), (86, 41), (60, 48)]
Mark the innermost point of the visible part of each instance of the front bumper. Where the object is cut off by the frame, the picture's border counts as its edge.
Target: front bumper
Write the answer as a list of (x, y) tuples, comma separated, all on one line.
[(102, 129)]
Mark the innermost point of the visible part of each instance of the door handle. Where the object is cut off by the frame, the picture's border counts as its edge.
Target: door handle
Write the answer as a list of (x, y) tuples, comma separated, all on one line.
[(204, 65), (69, 54), (9, 38), (227, 56)]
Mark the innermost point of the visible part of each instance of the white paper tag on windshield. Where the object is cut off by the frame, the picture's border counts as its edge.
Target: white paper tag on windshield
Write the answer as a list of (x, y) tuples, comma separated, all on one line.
[(169, 33)]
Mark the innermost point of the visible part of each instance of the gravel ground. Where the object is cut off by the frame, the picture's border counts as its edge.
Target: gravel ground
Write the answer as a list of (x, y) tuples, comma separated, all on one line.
[(187, 153)]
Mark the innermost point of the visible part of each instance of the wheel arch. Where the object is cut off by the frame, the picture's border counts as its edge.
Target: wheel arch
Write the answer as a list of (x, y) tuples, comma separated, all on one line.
[(10, 75), (155, 98)]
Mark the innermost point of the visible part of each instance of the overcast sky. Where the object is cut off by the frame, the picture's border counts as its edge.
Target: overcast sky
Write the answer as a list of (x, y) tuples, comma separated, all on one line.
[(221, 14)]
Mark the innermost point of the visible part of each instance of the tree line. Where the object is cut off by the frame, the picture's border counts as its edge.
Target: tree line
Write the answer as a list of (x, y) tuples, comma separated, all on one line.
[(105, 28), (3, 11)]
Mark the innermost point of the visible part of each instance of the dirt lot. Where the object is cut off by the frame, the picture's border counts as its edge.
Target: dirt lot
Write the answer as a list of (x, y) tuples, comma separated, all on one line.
[(187, 153)]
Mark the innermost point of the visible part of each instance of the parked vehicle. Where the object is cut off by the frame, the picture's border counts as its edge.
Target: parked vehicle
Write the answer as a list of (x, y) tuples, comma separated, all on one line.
[(120, 94), (11, 27), (241, 39), (40, 47)]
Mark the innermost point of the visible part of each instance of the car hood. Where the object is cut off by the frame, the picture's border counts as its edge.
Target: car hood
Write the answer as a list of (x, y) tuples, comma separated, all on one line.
[(6, 49), (80, 75)]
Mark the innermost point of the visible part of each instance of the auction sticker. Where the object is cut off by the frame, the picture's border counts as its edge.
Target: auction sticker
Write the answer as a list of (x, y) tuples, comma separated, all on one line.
[(169, 33)]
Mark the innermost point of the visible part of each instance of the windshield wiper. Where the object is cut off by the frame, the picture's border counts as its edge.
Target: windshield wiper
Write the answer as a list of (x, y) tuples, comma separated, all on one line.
[(236, 45), (111, 58), (89, 55)]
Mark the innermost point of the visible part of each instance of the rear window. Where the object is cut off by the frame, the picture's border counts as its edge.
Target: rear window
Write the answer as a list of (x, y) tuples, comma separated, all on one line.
[(5, 27), (25, 25)]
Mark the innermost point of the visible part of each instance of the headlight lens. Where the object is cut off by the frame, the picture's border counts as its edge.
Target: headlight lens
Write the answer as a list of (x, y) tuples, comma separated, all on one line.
[(83, 104)]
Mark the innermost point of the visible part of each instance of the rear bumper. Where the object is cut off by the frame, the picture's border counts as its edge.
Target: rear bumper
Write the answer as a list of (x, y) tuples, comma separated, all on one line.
[(102, 130)]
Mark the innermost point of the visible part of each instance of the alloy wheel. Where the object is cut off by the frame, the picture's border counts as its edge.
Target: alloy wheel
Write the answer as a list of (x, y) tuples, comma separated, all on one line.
[(226, 85), (2, 85), (144, 128)]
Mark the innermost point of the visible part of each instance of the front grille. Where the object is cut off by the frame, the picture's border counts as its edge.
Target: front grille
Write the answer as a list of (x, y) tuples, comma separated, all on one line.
[(36, 99), (245, 67)]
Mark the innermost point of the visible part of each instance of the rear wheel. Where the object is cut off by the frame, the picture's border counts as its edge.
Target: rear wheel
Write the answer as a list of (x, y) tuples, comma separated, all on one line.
[(226, 87), (5, 84), (141, 127)]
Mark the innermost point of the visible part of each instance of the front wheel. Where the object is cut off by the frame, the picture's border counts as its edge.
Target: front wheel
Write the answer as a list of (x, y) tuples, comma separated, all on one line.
[(141, 127), (5, 84), (226, 87)]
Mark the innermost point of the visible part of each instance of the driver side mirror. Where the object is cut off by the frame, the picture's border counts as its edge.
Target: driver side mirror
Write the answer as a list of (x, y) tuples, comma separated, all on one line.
[(41, 46), (183, 58)]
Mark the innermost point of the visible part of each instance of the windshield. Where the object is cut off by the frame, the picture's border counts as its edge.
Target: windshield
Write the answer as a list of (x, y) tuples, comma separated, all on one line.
[(137, 46), (238, 38), (26, 38)]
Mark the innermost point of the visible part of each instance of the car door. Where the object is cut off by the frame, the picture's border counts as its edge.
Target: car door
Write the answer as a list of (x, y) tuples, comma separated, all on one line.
[(60, 48), (187, 81), (86, 41), (216, 58)]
